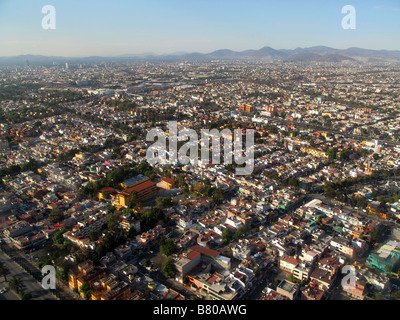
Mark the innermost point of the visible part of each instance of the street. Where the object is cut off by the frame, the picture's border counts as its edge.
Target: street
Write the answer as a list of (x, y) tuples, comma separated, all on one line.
[(61, 291), (30, 284)]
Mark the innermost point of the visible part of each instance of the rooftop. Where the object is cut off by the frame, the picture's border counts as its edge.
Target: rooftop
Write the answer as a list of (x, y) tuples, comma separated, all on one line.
[(134, 180), (205, 251), (288, 286)]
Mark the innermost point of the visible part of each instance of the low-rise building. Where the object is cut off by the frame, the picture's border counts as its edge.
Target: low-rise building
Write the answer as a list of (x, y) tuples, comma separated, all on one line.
[(288, 289)]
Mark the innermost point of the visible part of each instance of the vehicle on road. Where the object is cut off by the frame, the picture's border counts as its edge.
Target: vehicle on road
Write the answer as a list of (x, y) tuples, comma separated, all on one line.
[(4, 290)]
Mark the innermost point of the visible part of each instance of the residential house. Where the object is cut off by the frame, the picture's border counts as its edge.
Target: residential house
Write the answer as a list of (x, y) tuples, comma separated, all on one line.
[(288, 289), (386, 258), (288, 263)]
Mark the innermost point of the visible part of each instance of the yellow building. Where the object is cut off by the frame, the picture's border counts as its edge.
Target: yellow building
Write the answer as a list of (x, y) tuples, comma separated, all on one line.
[(103, 286), (167, 183), (318, 153), (143, 191), (129, 183), (85, 272), (111, 191)]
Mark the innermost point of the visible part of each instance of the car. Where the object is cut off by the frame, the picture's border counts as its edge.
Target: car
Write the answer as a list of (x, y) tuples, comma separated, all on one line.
[(4, 290)]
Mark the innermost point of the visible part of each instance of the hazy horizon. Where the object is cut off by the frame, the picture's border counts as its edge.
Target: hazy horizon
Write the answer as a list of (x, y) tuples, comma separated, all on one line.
[(182, 53)]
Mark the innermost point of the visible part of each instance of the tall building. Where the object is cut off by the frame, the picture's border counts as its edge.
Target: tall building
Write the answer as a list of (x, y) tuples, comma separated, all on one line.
[(246, 108)]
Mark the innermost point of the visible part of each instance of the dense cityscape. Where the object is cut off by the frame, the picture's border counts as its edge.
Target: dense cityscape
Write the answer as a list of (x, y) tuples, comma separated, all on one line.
[(77, 192)]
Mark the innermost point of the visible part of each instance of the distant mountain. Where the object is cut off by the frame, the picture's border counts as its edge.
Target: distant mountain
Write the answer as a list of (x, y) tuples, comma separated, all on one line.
[(317, 49), (309, 57), (267, 52), (298, 55), (303, 57), (146, 54), (367, 53)]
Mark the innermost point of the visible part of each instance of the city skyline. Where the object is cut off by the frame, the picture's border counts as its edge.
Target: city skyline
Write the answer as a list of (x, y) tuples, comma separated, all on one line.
[(105, 28), (224, 168)]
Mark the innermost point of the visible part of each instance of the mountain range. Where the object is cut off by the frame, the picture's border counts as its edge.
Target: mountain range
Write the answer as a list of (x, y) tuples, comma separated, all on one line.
[(298, 55), (311, 54)]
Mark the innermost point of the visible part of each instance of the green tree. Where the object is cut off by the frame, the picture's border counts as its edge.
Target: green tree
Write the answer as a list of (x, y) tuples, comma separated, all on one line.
[(112, 221), (331, 154), (379, 296), (227, 235), (30, 165), (25, 296), (168, 268), (85, 289), (62, 271), (56, 216), (109, 242), (168, 247), (58, 236), (146, 263), (319, 222), (238, 233), (395, 294), (94, 235), (106, 195), (375, 234), (132, 201), (100, 250), (4, 271), (217, 195), (110, 209), (294, 182), (16, 284), (329, 190), (293, 279), (165, 202), (37, 124), (150, 218), (180, 180)]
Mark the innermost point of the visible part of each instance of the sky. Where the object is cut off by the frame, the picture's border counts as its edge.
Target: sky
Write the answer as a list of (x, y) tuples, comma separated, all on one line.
[(117, 27)]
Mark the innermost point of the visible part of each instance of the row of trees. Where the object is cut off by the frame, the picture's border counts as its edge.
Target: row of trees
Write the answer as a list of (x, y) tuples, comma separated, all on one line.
[(116, 176), (206, 189), (31, 165), (228, 235), (17, 91), (92, 148), (15, 283), (287, 182), (4, 271), (28, 114), (122, 106), (336, 189)]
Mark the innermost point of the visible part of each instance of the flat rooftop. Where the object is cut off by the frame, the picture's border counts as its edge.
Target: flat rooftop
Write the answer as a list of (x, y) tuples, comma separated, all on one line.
[(288, 286), (134, 180)]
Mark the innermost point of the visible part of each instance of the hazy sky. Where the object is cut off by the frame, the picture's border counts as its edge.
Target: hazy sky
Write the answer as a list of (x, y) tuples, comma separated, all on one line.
[(106, 27)]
